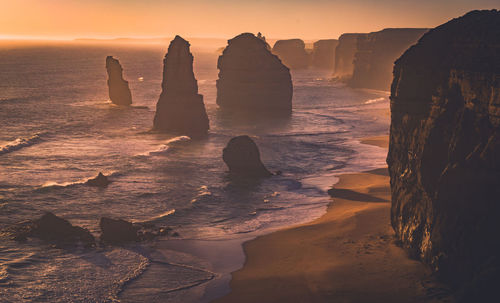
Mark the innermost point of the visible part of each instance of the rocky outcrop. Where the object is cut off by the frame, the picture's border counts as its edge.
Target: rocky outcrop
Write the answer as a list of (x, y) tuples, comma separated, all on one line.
[(444, 152), (53, 229), (376, 53), (292, 53), (323, 55), (119, 92), (99, 181), (117, 231), (252, 79), (344, 55), (180, 109), (242, 157)]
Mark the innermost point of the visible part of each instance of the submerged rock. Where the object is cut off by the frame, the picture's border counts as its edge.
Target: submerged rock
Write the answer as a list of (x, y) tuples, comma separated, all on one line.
[(180, 108), (242, 157), (51, 228), (323, 55), (344, 55), (252, 79), (443, 154), (376, 53), (99, 181), (292, 53), (119, 92), (117, 231)]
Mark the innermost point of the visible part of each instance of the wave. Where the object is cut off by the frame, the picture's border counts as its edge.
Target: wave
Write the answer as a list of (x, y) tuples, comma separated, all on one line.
[(165, 147), (156, 218), (376, 100), (19, 143), (52, 184)]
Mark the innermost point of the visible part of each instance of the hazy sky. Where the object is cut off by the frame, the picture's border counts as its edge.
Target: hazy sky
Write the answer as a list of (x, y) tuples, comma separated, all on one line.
[(308, 19)]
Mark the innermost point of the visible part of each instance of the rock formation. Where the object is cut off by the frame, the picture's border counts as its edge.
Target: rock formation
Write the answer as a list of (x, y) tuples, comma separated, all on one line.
[(117, 230), (376, 53), (119, 92), (323, 55), (99, 181), (344, 55), (252, 79), (292, 53), (51, 228), (444, 152), (242, 157), (180, 109)]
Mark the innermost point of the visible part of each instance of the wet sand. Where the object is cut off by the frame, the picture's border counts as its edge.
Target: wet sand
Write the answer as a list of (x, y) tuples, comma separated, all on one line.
[(347, 255)]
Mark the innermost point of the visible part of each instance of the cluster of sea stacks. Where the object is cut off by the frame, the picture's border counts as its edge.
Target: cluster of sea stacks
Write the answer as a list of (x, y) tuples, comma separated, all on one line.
[(444, 154)]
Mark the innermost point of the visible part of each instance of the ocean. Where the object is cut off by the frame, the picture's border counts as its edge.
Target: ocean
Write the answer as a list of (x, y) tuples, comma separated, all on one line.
[(58, 129)]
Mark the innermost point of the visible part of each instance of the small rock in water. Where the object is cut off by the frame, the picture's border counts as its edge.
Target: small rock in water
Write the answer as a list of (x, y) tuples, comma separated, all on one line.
[(243, 158), (99, 181), (117, 231), (51, 228)]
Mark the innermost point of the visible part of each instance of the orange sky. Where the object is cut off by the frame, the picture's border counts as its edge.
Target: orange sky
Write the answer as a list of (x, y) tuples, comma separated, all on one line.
[(312, 19)]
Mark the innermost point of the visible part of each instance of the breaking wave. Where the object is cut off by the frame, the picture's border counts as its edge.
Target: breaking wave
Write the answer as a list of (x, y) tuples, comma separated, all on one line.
[(19, 143)]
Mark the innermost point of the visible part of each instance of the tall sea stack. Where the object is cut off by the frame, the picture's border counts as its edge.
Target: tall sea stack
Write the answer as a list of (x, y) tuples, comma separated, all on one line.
[(252, 79), (180, 108), (292, 53), (323, 55), (376, 53), (444, 154), (344, 55), (119, 92)]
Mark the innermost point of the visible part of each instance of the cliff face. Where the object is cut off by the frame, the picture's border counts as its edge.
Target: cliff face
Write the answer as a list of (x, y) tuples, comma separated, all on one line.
[(444, 151), (376, 53), (292, 53), (252, 79), (180, 108), (344, 54), (119, 92), (323, 55)]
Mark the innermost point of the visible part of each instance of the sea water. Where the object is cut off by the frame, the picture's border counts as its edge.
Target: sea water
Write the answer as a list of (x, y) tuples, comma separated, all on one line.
[(58, 129)]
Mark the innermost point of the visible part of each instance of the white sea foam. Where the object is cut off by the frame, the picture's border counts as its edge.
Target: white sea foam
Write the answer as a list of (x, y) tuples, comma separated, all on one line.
[(19, 143)]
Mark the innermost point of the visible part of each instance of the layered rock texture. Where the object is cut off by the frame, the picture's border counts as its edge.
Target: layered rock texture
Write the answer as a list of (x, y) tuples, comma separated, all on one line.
[(444, 152), (344, 54), (292, 53), (376, 53), (180, 108), (252, 79), (242, 156), (323, 55), (119, 92)]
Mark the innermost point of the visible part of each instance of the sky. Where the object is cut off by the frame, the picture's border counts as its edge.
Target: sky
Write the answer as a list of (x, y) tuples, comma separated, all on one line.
[(306, 19)]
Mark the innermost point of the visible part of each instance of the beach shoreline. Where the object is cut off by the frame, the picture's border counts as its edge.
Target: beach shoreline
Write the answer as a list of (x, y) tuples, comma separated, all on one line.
[(347, 255)]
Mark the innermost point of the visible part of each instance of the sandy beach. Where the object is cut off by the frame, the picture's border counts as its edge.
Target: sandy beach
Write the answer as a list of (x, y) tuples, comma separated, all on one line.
[(347, 255)]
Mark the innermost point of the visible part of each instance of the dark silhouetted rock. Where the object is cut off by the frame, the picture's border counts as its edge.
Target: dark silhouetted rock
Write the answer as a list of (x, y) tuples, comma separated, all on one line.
[(292, 53), (117, 231), (323, 55), (180, 108), (99, 181), (344, 55), (252, 79), (376, 53), (51, 228), (242, 157), (444, 152), (119, 92)]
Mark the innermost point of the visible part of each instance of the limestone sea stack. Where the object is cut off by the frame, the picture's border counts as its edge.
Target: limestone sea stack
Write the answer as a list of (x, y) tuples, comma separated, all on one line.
[(242, 156), (292, 53), (376, 53), (252, 79), (344, 55), (119, 92), (323, 55), (180, 109), (444, 152)]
